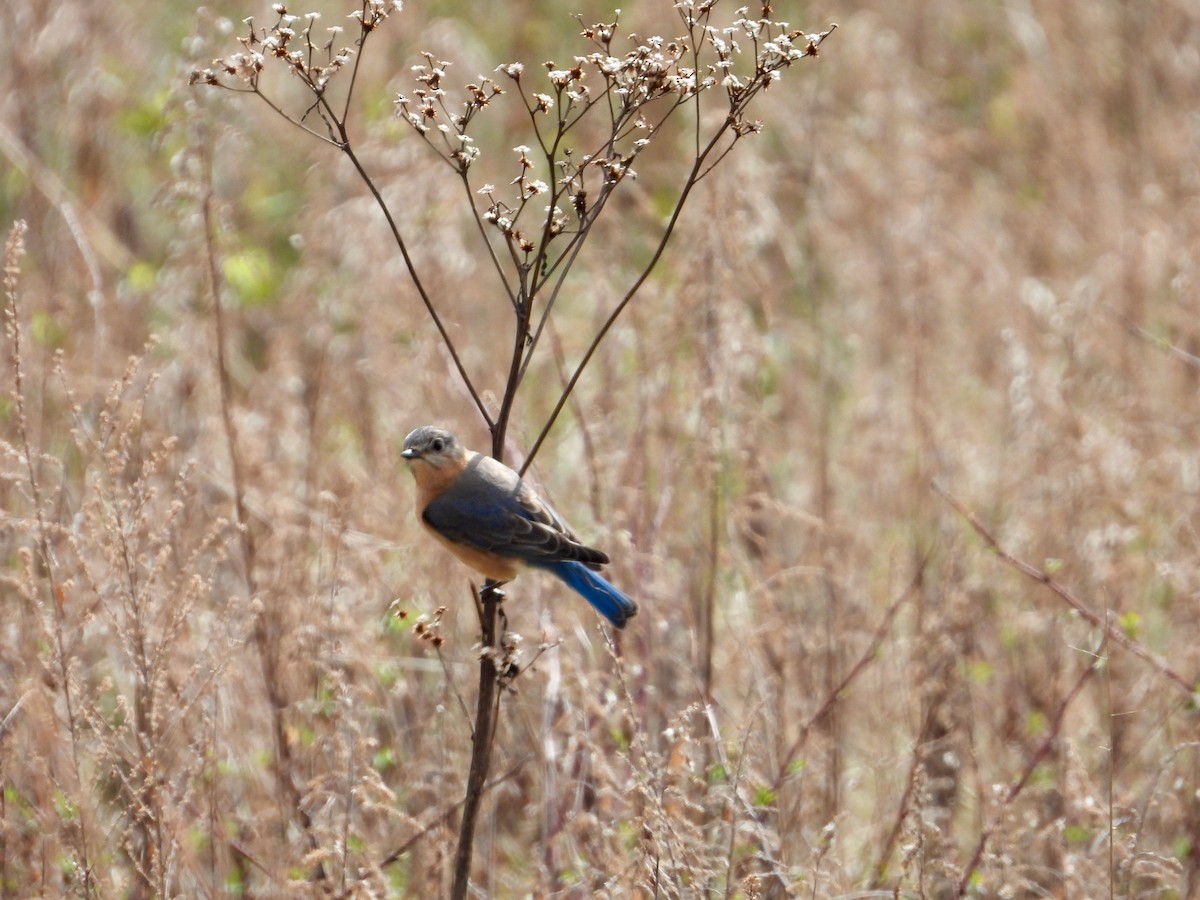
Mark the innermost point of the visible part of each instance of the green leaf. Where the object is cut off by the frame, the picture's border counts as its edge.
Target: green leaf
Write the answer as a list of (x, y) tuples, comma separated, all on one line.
[(47, 331), (148, 118), (383, 759), (1077, 835), (252, 276), (764, 796), (980, 671), (1131, 624), (1035, 723), (141, 277)]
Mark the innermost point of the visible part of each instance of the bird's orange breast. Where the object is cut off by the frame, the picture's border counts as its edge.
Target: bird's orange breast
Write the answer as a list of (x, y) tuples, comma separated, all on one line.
[(489, 565)]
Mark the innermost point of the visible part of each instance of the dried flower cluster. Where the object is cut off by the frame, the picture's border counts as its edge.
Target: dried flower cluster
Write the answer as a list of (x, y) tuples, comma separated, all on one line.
[(429, 628), (633, 93), (589, 123), (306, 56)]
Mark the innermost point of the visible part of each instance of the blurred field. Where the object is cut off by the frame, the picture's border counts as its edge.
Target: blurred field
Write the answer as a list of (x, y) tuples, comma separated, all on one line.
[(965, 249)]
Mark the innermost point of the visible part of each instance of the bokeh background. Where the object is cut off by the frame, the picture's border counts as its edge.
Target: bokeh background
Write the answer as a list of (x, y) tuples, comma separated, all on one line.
[(963, 251)]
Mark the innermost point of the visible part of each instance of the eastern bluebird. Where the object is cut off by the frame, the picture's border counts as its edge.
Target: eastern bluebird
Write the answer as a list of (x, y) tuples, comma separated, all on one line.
[(483, 512)]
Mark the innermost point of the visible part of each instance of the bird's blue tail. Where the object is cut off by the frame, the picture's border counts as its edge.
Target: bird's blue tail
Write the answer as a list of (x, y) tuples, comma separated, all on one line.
[(607, 600)]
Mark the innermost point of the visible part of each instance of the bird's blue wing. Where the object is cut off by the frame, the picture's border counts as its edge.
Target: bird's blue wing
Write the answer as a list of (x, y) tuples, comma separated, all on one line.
[(489, 511)]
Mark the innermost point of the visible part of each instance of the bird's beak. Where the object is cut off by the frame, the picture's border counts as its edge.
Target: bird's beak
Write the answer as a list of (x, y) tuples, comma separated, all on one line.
[(411, 453)]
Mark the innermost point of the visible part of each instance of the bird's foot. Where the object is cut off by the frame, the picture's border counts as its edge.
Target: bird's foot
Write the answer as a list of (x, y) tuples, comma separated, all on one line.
[(492, 588)]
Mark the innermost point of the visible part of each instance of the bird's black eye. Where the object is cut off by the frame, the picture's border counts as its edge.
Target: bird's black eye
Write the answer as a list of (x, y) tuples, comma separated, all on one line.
[(437, 445)]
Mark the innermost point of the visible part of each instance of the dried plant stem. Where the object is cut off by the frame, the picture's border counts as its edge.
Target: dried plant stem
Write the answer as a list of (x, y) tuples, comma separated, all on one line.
[(1113, 633), (487, 708), (731, 808), (902, 811), (13, 251), (1038, 755), (347, 148), (668, 230), (438, 820), (712, 410), (839, 691), (1188, 359), (245, 535), (289, 794)]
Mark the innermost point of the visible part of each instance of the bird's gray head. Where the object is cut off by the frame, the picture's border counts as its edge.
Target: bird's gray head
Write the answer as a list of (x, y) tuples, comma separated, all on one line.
[(433, 445)]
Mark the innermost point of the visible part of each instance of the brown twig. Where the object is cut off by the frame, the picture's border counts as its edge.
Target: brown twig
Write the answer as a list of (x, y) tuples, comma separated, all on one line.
[(1115, 634), (224, 384), (487, 707), (1188, 359), (347, 148), (13, 251), (1031, 764), (838, 692), (697, 172), (290, 798), (902, 810), (445, 814)]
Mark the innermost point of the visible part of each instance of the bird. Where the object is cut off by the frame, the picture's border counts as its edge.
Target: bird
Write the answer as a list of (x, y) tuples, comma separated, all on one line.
[(483, 513)]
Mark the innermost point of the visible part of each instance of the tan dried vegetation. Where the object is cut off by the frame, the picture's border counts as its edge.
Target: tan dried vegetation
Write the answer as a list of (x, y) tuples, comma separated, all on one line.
[(955, 276)]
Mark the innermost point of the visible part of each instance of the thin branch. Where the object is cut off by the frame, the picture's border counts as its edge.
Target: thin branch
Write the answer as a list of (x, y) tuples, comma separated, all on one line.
[(698, 167), (569, 254), (80, 218), (487, 708), (441, 818), (1114, 633), (462, 704), (412, 273), (1189, 359), (836, 695), (1030, 766), (12, 713), (362, 41), (668, 231), (483, 236), (557, 192), (529, 109), (716, 162), (245, 535), (13, 251), (902, 810), (566, 259), (325, 139)]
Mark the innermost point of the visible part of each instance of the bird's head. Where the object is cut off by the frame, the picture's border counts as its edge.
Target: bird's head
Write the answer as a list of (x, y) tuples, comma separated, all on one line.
[(433, 446)]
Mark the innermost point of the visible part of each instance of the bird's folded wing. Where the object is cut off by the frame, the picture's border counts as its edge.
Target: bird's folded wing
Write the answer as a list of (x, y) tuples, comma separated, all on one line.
[(519, 528)]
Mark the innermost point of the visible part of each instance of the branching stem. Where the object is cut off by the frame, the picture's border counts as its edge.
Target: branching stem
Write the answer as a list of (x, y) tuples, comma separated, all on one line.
[(633, 97)]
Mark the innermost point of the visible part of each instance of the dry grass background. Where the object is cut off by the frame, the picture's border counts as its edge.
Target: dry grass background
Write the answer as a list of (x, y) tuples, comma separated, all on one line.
[(933, 265)]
